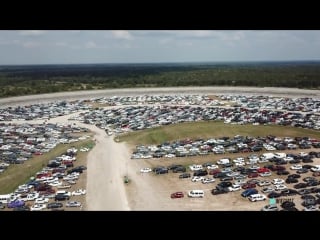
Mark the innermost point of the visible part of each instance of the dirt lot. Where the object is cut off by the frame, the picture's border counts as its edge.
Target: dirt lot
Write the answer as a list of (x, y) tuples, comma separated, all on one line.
[(109, 161)]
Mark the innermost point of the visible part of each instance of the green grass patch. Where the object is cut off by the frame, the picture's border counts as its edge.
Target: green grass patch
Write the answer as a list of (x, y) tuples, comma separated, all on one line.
[(18, 174), (211, 129)]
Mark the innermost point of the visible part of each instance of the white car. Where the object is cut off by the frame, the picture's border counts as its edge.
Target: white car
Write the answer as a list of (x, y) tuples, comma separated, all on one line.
[(311, 208), (233, 174), (234, 187), (268, 190), (264, 183), (303, 154), (315, 168), (38, 207), (265, 174), (280, 187), (238, 160), (254, 167), (197, 179), (41, 200), (240, 182), (213, 166), (73, 204), (145, 170), (195, 167), (277, 181), (296, 167), (79, 192), (208, 180), (55, 184), (240, 164), (257, 197)]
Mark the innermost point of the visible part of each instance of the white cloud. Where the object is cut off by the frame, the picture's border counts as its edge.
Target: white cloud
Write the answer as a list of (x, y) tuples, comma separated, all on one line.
[(30, 44), (32, 32), (91, 44), (61, 44), (121, 34)]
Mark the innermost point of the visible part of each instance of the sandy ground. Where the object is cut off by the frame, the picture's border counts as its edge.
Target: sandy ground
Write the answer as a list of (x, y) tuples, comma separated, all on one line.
[(109, 161), (31, 99)]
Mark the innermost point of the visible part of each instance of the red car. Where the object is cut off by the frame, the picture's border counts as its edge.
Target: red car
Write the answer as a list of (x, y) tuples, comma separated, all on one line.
[(248, 185), (263, 170), (177, 195), (253, 175)]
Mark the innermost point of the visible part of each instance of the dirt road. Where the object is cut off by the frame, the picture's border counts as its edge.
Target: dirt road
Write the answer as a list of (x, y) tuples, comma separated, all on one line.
[(109, 161), (271, 91)]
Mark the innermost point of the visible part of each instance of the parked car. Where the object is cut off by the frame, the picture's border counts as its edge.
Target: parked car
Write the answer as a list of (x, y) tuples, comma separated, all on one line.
[(257, 197), (61, 197), (200, 173), (38, 207), (208, 180), (78, 192), (248, 185), (55, 205), (179, 169), (145, 170), (270, 207), (249, 192), (185, 175), (16, 203), (311, 208), (73, 204), (177, 195), (287, 204)]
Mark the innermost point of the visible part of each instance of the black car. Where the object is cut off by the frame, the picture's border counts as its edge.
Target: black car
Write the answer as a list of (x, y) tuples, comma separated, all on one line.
[(200, 173), (313, 183), (22, 208), (304, 191), (291, 180), (308, 196), (300, 185), (307, 166), (174, 166), (224, 184), (309, 179), (224, 179), (55, 205), (289, 192), (81, 167), (283, 172), (274, 195), (302, 170), (179, 169), (162, 171), (295, 161), (78, 170), (219, 191), (288, 204), (308, 202), (61, 197), (185, 175), (294, 176)]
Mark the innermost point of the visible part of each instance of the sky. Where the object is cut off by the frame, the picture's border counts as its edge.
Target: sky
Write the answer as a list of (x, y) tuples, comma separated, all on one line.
[(156, 46)]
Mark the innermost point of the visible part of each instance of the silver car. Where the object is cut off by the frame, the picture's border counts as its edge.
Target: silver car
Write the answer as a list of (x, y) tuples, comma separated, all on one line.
[(270, 207)]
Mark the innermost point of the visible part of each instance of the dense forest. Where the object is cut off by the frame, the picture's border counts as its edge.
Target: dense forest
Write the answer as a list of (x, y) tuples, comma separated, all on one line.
[(35, 79)]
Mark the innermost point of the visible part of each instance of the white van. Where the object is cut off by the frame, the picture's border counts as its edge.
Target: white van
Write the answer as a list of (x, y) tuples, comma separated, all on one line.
[(196, 193), (6, 198)]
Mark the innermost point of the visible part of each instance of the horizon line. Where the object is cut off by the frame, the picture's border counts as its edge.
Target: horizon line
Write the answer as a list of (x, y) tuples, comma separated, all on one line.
[(155, 63)]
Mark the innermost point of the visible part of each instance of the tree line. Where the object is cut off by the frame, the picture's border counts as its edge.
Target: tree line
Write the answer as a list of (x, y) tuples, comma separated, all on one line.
[(25, 80)]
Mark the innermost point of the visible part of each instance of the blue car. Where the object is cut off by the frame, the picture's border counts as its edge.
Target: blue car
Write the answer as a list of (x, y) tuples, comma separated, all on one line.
[(16, 204), (249, 192)]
